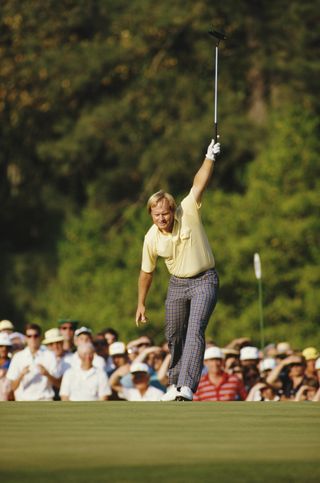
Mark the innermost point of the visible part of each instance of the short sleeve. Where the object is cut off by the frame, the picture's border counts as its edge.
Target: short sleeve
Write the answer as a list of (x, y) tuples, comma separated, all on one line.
[(149, 257), (13, 371)]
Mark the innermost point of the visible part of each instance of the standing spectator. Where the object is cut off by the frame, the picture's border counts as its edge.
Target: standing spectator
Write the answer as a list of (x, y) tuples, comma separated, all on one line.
[(5, 386), (83, 335), (33, 371), (118, 352), (218, 385), (6, 327), (142, 391), (67, 328), (311, 355), (102, 349), (288, 376), (85, 383)]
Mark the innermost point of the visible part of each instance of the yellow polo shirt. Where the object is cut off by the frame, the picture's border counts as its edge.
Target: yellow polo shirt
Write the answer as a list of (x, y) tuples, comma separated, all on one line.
[(186, 250)]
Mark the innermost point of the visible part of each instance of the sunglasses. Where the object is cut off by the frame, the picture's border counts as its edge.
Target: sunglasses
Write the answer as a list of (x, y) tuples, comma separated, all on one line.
[(66, 327), (33, 336)]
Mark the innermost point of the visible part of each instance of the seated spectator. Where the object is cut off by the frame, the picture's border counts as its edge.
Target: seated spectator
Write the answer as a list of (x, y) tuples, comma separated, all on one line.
[(6, 327), (218, 385), (140, 344), (5, 385), (311, 355), (263, 392), (83, 335), (266, 366), (288, 376), (141, 391), (85, 383), (33, 371), (158, 362), (231, 357), (308, 391), (67, 328)]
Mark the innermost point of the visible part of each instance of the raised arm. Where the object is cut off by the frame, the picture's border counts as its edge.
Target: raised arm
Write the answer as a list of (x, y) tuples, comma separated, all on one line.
[(203, 176), (144, 284)]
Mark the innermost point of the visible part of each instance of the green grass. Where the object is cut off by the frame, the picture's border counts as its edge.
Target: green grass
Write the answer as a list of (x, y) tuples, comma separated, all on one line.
[(160, 442)]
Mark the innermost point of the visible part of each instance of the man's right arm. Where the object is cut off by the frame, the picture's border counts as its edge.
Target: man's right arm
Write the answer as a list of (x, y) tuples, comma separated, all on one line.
[(144, 284)]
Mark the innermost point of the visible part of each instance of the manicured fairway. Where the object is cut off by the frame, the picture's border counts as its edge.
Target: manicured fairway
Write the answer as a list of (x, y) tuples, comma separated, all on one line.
[(160, 442)]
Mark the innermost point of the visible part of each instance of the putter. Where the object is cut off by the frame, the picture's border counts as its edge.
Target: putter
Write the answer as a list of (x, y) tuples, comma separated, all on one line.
[(218, 36)]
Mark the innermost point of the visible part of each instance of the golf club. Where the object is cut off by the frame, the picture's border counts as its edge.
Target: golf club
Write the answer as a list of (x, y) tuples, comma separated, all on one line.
[(218, 36)]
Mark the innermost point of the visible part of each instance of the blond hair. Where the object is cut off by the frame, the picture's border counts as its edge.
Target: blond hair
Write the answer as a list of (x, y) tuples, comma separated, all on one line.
[(158, 196)]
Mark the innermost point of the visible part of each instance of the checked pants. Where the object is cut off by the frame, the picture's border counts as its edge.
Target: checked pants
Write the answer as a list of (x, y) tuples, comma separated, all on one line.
[(189, 305)]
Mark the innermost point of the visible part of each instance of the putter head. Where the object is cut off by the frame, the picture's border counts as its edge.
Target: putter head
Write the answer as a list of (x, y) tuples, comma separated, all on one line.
[(217, 35)]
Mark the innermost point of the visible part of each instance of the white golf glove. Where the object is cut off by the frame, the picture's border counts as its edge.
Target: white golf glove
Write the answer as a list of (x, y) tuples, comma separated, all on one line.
[(213, 150)]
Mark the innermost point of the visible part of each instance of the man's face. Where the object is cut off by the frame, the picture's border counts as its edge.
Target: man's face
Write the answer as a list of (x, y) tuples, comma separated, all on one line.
[(33, 339), (86, 356), (83, 339), (67, 331), (214, 366), (140, 380), (57, 348), (163, 216)]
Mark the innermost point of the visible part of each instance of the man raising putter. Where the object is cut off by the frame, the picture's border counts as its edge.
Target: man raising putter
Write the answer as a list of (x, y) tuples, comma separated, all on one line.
[(177, 235)]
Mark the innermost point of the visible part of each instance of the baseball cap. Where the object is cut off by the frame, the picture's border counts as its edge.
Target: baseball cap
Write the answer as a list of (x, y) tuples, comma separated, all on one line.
[(82, 330), (267, 364), (139, 367), (5, 340), (117, 349), (249, 353), (6, 325), (213, 353), (317, 367), (51, 336), (310, 353)]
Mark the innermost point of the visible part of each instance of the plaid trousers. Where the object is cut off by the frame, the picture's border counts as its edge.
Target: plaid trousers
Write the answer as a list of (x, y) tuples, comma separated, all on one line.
[(189, 305)]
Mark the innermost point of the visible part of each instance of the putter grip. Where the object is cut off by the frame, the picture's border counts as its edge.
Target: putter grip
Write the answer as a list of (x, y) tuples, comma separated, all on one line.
[(215, 134)]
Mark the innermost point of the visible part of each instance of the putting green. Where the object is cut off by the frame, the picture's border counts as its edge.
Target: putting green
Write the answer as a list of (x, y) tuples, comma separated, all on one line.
[(171, 442)]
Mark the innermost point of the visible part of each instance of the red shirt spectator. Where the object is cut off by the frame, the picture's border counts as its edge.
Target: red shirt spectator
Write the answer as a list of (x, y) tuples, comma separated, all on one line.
[(217, 385)]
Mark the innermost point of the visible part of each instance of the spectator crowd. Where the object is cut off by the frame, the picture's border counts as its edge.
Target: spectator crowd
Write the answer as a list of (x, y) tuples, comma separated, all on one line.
[(71, 363)]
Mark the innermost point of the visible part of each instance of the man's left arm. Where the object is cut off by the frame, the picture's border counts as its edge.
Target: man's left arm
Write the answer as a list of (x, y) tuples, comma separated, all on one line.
[(203, 176)]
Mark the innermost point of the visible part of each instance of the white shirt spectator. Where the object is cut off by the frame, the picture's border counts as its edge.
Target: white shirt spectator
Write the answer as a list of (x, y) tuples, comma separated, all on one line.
[(34, 386), (85, 385), (151, 394), (64, 363)]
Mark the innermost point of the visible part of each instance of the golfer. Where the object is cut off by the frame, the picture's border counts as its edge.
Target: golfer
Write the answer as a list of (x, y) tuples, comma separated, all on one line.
[(177, 235)]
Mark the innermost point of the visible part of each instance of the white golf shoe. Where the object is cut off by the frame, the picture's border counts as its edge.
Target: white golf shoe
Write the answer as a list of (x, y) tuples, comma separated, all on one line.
[(185, 394), (171, 394)]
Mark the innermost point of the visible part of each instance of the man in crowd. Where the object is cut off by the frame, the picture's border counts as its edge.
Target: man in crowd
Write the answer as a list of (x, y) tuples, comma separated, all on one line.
[(33, 371), (67, 328), (85, 383), (5, 386), (141, 391), (218, 385), (83, 335), (178, 236)]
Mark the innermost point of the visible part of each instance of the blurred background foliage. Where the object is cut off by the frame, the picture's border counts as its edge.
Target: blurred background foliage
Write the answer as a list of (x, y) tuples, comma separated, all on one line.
[(103, 103)]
